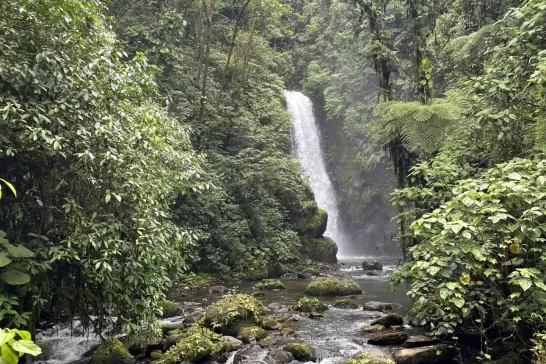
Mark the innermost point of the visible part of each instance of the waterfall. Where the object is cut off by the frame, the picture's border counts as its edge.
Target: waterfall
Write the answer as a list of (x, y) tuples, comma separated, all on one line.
[(306, 146)]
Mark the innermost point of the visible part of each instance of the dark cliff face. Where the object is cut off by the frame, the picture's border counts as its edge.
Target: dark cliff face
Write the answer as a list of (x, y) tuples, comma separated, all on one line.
[(363, 195)]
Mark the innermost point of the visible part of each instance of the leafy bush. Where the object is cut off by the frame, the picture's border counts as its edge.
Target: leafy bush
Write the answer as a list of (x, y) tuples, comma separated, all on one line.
[(230, 312), (306, 304), (14, 344), (194, 345), (480, 256)]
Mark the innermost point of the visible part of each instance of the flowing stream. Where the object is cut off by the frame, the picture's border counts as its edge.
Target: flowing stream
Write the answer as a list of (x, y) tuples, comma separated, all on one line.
[(306, 147)]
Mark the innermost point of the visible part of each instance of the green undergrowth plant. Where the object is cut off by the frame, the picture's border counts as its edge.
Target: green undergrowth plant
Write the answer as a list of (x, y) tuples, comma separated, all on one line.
[(14, 344)]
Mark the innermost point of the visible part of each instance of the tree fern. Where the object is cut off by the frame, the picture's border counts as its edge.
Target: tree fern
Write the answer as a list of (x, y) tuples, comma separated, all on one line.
[(420, 128)]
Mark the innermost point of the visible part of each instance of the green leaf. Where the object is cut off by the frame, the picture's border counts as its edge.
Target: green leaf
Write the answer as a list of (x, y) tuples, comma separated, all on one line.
[(515, 176), (4, 260), (10, 186), (540, 284), (19, 251), (525, 283), (15, 277), (458, 301), (27, 347), (5, 337), (25, 335)]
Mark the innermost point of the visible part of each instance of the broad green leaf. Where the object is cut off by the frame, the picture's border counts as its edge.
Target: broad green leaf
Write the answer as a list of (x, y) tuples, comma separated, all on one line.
[(5, 337), (525, 283), (15, 277), (19, 251), (458, 301), (515, 176), (25, 335), (27, 347), (4, 260)]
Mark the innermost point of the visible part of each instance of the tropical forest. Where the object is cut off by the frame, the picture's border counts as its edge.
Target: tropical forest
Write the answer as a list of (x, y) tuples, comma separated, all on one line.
[(272, 181)]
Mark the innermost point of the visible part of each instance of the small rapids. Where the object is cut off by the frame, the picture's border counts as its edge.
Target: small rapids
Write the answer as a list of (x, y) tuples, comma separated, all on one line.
[(336, 336)]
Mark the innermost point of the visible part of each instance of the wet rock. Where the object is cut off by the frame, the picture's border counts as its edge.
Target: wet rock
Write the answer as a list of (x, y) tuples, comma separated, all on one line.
[(321, 249), (280, 318), (192, 318), (223, 358), (166, 328), (279, 357), (218, 289), (333, 286), (306, 304), (303, 352), (251, 334), (372, 266), (270, 324), (315, 315), (229, 343), (270, 284), (345, 303), (388, 338), (258, 294), (377, 306), (170, 308), (293, 318), (111, 351), (424, 355), (371, 273), (275, 270), (156, 355), (285, 331), (304, 276), (370, 356), (374, 329), (267, 342), (171, 340), (275, 306), (418, 341), (392, 319), (247, 354)]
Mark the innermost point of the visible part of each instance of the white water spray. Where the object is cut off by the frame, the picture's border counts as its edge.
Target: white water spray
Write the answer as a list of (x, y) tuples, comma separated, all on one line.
[(306, 146)]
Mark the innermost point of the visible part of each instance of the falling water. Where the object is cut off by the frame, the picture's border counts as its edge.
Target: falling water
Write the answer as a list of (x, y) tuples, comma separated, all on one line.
[(306, 145)]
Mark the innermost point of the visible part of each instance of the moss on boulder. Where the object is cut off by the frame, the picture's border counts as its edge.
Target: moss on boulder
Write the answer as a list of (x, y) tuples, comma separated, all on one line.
[(333, 286), (306, 304), (252, 333), (369, 358), (286, 331), (345, 303), (196, 344), (270, 284), (270, 324), (170, 308), (303, 352), (231, 312), (313, 223), (111, 351), (320, 249)]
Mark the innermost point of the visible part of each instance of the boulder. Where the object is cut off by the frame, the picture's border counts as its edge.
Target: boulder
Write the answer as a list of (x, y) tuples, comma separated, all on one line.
[(252, 333), (418, 341), (171, 340), (192, 317), (315, 315), (267, 342), (285, 331), (275, 270), (170, 308), (279, 357), (270, 284), (218, 289), (388, 338), (392, 319), (258, 294), (303, 352), (370, 356), (306, 304), (333, 286), (345, 303), (424, 355), (372, 266), (185, 349), (377, 306), (275, 306), (321, 249), (229, 343), (156, 355), (229, 313), (246, 355), (270, 324), (313, 223), (111, 351)]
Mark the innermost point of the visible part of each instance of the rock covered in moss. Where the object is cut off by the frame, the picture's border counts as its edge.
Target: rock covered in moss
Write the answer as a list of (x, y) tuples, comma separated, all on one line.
[(252, 333), (111, 351), (268, 341), (321, 249), (306, 304), (388, 338), (370, 357), (425, 354), (313, 223), (275, 270), (392, 319), (270, 324), (279, 357), (229, 313), (345, 303), (170, 308), (258, 272), (374, 329), (286, 331), (377, 306), (333, 286), (303, 352), (156, 355), (229, 343), (270, 284), (196, 344)]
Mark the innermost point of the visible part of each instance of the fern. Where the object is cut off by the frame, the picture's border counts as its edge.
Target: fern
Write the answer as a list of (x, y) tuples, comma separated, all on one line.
[(420, 128)]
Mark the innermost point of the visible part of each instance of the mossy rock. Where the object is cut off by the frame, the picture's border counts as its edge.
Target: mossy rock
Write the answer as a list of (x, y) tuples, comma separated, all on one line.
[(313, 224), (270, 284), (252, 333), (369, 358), (345, 303), (306, 304), (196, 344), (170, 308), (268, 341), (321, 249), (312, 271), (156, 355), (270, 324), (275, 270), (229, 313), (111, 351), (258, 272), (286, 331), (333, 286), (303, 352)]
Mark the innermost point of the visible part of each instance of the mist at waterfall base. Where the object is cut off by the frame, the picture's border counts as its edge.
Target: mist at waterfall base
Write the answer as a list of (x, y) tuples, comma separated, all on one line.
[(306, 146)]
